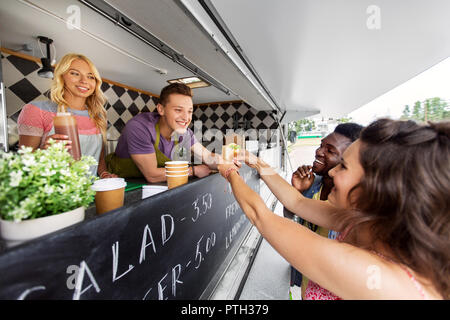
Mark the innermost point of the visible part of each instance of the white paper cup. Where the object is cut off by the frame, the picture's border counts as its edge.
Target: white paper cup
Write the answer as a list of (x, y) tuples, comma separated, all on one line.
[(110, 194), (109, 184)]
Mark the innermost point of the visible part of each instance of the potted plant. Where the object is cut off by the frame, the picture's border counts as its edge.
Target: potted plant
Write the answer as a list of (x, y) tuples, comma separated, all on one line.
[(42, 191)]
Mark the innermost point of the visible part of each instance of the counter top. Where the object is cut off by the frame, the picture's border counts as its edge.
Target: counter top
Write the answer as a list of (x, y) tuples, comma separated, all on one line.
[(173, 245), (131, 196)]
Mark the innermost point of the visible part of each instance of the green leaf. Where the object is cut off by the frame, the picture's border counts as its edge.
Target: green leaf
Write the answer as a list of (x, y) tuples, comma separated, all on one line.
[(44, 182)]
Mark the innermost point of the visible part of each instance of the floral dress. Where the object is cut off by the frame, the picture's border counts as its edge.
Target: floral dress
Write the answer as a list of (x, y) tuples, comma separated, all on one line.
[(315, 292)]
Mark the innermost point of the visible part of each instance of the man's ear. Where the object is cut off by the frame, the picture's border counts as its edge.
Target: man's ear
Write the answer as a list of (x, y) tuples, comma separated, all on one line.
[(160, 109)]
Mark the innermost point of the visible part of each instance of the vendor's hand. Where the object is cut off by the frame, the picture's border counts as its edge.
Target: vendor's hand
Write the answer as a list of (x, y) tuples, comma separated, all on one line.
[(106, 175), (237, 163), (201, 170), (58, 138), (303, 178)]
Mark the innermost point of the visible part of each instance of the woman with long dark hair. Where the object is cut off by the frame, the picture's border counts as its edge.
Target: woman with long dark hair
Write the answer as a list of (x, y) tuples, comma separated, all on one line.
[(391, 203)]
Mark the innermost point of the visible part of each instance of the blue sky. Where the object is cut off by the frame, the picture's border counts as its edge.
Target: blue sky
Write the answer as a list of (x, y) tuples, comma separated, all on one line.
[(434, 82)]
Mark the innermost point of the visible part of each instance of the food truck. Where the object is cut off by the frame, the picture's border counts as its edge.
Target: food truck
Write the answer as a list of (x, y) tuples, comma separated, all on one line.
[(254, 66)]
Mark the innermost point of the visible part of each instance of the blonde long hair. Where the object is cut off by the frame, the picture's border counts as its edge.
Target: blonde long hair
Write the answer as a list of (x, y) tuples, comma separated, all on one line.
[(95, 102)]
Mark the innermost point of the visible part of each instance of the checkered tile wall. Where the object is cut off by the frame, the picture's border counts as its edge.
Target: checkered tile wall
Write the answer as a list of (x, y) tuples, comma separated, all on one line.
[(222, 116), (123, 104), (23, 85), (237, 116)]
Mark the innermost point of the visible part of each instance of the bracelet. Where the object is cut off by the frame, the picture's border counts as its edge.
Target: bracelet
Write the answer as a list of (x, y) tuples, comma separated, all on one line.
[(101, 174), (193, 172), (228, 171)]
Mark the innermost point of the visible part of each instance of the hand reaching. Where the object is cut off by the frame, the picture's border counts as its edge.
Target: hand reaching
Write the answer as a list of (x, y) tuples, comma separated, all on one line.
[(106, 175), (201, 170), (249, 158), (223, 167)]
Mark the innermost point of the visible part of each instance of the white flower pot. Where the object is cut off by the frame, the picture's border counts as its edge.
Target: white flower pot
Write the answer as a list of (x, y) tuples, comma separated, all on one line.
[(17, 232)]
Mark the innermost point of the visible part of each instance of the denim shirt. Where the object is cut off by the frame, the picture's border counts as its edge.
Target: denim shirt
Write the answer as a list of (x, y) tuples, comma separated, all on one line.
[(317, 184)]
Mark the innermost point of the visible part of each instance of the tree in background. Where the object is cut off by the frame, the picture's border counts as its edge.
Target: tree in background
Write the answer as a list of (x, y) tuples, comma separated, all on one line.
[(302, 125), (432, 109), (417, 111), (406, 112), (344, 120)]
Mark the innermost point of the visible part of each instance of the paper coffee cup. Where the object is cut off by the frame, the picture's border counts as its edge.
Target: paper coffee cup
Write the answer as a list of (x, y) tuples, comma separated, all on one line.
[(176, 180), (170, 164), (177, 172), (109, 195)]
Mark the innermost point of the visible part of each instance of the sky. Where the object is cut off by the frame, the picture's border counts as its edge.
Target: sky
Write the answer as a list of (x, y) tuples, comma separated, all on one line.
[(434, 82)]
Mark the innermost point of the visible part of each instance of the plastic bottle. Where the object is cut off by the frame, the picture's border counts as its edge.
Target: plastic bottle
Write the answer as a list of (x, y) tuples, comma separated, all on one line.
[(65, 123)]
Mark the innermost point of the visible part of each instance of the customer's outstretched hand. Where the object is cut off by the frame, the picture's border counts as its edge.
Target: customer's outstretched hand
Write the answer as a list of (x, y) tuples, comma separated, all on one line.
[(225, 167), (249, 158)]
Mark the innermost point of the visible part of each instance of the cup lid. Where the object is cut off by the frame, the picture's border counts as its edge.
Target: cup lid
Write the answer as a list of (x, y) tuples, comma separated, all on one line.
[(177, 167), (108, 184), (172, 163)]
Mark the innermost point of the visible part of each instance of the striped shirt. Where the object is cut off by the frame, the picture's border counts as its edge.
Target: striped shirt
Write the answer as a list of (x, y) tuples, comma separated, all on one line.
[(36, 119)]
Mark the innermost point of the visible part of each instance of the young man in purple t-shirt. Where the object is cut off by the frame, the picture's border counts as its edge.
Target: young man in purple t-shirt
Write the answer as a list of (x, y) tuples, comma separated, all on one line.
[(137, 154)]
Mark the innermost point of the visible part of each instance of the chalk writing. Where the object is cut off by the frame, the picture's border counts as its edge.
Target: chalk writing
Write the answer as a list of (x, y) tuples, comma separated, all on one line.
[(28, 291), (234, 230), (115, 251), (205, 206), (210, 242), (79, 282), (231, 209), (164, 281)]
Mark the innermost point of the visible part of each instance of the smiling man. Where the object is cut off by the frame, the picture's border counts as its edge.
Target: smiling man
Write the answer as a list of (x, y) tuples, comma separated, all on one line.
[(314, 182), (152, 138), (315, 179)]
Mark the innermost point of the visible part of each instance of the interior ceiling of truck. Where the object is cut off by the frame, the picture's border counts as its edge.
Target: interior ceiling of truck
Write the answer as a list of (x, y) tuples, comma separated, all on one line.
[(301, 56)]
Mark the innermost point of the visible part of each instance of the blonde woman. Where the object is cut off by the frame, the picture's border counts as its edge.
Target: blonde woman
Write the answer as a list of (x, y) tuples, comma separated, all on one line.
[(76, 85)]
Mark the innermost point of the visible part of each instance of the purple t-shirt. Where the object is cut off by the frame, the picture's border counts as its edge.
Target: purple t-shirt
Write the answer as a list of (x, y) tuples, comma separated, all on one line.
[(139, 136)]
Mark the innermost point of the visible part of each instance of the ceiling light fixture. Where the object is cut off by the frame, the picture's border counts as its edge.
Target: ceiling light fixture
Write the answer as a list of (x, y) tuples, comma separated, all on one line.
[(191, 82), (47, 70)]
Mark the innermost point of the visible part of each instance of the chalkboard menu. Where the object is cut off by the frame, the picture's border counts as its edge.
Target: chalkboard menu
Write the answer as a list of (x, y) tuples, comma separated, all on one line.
[(169, 246)]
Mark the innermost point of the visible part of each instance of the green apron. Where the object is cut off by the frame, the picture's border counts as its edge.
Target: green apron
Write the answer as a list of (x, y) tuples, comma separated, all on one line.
[(126, 168)]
